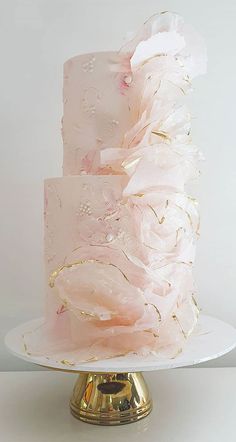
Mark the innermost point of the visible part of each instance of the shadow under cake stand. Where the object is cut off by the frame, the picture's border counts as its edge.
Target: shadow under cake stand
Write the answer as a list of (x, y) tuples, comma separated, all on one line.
[(113, 391)]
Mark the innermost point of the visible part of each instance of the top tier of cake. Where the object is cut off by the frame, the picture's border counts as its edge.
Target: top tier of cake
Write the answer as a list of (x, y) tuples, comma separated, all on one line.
[(96, 108)]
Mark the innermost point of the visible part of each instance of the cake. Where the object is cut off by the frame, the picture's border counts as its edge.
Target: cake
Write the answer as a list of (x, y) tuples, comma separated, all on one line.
[(120, 227)]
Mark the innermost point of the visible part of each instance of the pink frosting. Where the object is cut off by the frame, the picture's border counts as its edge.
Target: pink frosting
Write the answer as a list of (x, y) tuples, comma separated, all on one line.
[(120, 246)]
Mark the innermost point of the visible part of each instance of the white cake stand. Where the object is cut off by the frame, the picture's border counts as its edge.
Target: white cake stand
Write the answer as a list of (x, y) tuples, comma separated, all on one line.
[(113, 391)]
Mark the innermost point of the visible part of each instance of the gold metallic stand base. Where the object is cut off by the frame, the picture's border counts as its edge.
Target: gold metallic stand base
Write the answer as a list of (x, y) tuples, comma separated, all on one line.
[(110, 399)]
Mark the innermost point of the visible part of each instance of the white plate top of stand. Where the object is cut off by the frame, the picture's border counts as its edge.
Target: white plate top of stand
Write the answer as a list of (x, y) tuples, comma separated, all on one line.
[(212, 338)]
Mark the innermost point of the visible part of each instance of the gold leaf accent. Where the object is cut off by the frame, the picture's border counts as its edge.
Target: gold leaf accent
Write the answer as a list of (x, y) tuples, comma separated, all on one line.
[(150, 247), (56, 272), (66, 362), (191, 198), (159, 220), (181, 328), (146, 125), (186, 78), (177, 235), (162, 54), (162, 134), (198, 228), (139, 194), (92, 359), (195, 303), (190, 263), (150, 331), (107, 247), (110, 215), (177, 354), (25, 348), (29, 333), (155, 307), (179, 87), (194, 300), (92, 315), (186, 213), (95, 358), (127, 165)]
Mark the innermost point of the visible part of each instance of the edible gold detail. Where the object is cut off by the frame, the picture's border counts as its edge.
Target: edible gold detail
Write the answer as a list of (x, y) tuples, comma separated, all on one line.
[(160, 221), (56, 272), (181, 328), (155, 307), (162, 134), (66, 362)]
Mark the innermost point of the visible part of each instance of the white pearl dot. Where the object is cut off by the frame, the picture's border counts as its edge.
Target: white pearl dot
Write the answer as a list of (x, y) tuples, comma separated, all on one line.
[(128, 79), (109, 237)]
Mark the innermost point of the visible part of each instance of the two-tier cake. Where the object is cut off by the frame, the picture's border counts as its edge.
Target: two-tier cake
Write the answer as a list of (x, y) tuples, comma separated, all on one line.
[(120, 228)]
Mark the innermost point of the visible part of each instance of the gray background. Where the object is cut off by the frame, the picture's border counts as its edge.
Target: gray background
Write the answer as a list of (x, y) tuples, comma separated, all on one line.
[(36, 37)]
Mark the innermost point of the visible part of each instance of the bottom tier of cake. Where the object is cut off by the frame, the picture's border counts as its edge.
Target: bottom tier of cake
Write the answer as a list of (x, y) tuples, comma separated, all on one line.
[(118, 270)]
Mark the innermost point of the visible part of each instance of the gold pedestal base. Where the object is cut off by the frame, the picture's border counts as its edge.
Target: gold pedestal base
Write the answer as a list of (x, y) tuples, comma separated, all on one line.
[(110, 399)]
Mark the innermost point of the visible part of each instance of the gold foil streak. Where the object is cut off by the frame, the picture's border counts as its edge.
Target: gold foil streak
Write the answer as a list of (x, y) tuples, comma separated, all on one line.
[(74, 310), (25, 346), (110, 215), (96, 358), (198, 227), (177, 354), (110, 248), (27, 333), (118, 355), (162, 54), (177, 236), (195, 303), (56, 272), (150, 331), (160, 221), (127, 164), (150, 247), (191, 198), (181, 328), (186, 213), (155, 307), (179, 87), (93, 359), (92, 315), (162, 134), (194, 300), (140, 195), (190, 263), (186, 78), (142, 128), (66, 362)]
